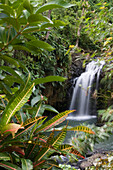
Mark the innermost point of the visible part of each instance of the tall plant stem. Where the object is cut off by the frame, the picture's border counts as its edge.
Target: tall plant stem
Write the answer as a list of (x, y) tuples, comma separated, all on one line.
[(80, 27)]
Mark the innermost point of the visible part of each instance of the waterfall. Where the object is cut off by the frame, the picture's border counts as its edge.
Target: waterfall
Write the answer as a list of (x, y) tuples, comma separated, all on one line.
[(82, 92)]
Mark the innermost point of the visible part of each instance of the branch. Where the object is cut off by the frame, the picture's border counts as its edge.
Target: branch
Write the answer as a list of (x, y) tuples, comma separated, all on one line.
[(3, 48)]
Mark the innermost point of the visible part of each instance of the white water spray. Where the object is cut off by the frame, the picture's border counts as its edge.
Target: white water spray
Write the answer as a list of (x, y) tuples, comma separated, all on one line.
[(81, 98)]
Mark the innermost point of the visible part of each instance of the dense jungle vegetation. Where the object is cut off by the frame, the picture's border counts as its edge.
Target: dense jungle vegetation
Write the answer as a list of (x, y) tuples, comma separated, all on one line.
[(37, 40)]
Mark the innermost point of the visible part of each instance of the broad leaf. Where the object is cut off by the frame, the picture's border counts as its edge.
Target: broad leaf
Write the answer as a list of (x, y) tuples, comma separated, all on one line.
[(27, 5), (37, 18), (62, 3), (31, 29), (35, 100), (48, 6), (11, 128), (7, 9), (58, 23), (10, 60), (27, 164), (21, 47), (11, 71), (50, 108), (12, 21), (25, 132), (75, 152), (48, 79), (54, 4), (40, 44)]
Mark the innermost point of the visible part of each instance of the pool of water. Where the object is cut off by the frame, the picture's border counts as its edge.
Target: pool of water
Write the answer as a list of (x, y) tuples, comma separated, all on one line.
[(105, 145), (76, 121)]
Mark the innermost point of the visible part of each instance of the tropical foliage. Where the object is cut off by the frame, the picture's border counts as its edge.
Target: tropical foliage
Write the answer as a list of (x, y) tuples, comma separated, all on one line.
[(24, 139)]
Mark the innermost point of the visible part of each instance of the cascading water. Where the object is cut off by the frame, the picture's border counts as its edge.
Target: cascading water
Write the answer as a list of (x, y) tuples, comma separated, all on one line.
[(82, 92)]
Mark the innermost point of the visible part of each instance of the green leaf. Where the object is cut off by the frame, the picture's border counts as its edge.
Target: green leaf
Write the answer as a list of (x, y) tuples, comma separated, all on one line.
[(54, 4), (58, 23), (40, 44), (28, 6), (32, 120), (11, 71), (13, 61), (15, 104), (10, 60), (19, 10), (9, 166), (4, 157), (63, 3), (47, 6), (55, 23), (54, 121), (81, 128), (49, 79), (26, 164), (54, 144), (9, 10), (3, 37), (37, 18), (31, 29), (20, 47), (50, 108), (35, 100), (12, 21)]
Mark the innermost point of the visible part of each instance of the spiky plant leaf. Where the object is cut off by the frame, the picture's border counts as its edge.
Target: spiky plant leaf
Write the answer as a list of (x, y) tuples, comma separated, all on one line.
[(54, 144), (54, 121), (17, 103), (24, 132), (10, 149), (9, 166), (75, 152), (32, 120), (81, 128), (65, 147)]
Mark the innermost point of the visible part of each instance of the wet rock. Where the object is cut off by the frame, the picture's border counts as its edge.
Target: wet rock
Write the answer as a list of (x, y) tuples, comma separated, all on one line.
[(88, 162)]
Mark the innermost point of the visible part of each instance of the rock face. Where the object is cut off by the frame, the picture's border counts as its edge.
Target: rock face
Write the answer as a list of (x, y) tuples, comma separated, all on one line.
[(76, 67), (89, 161)]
